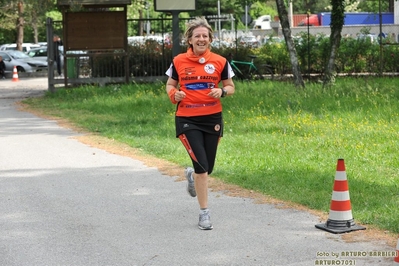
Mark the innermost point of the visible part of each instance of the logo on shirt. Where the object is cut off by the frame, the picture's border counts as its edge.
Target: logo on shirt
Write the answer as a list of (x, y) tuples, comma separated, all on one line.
[(209, 68), (189, 70)]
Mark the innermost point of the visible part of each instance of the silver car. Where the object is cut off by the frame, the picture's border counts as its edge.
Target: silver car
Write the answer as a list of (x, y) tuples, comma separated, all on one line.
[(41, 54), (22, 62)]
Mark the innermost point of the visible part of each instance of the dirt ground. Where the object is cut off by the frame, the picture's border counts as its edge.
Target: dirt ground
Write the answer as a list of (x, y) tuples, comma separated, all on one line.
[(370, 234)]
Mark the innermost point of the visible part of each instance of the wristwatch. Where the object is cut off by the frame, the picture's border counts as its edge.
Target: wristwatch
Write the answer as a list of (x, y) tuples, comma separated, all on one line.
[(224, 92)]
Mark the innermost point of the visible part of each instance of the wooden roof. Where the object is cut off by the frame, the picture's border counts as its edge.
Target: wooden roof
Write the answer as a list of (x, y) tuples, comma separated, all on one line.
[(94, 2)]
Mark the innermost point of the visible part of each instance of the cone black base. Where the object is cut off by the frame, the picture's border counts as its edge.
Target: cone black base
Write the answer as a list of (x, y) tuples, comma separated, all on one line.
[(338, 227)]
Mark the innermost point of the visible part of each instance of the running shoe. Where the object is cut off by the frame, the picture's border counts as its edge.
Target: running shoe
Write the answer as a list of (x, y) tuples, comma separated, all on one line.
[(205, 221), (190, 184)]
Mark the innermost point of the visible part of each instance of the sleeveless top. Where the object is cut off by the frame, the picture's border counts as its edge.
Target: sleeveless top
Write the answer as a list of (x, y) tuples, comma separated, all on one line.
[(196, 76)]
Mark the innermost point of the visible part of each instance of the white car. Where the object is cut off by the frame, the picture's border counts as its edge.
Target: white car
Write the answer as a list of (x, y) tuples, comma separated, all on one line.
[(25, 47), (249, 41), (220, 44), (136, 40)]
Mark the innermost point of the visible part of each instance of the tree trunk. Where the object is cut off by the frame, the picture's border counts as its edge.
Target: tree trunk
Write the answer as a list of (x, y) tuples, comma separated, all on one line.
[(285, 25), (20, 26), (141, 25), (337, 22), (391, 7), (35, 27)]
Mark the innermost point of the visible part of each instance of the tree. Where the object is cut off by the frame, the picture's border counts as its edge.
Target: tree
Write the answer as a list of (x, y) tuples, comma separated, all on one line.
[(36, 14), (337, 23), (285, 25), (373, 6), (20, 25), (8, 16), (263, 8), (17, 14), (312, 6)]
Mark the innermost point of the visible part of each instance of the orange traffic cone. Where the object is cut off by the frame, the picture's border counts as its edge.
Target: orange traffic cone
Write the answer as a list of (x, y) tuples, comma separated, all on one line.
[(340, 218), (15, 74), (396, 259)]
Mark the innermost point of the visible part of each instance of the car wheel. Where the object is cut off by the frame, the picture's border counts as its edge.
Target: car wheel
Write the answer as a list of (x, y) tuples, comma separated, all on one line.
[(20, 69)]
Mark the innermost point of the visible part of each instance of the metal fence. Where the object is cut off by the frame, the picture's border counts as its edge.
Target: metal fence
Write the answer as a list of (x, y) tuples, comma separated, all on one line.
[(149, 55)]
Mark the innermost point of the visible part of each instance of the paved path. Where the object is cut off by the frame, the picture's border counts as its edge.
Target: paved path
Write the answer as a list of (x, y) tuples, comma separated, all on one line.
[(66, 203)]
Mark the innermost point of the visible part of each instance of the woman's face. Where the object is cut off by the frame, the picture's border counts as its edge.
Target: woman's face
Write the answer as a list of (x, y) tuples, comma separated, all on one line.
[(200, 40)]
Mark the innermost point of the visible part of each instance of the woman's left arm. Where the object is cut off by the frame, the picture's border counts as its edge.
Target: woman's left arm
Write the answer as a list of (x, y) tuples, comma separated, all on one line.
[(228, 85)]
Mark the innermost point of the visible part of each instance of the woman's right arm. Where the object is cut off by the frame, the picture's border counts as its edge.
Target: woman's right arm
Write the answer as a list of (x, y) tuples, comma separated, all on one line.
[(174, 94), (170, 84)]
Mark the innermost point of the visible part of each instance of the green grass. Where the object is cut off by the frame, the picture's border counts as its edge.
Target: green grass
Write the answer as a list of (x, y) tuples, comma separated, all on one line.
[(279, 140)]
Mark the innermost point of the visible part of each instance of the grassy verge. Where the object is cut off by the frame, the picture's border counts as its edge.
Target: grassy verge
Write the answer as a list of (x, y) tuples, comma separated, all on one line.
[(279, 140)]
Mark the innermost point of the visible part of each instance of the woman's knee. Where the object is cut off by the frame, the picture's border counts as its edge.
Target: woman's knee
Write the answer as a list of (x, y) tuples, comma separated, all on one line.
[(201, 175)]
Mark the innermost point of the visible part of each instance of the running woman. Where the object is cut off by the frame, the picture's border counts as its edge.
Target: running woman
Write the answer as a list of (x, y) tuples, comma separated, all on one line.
[(194, 86)]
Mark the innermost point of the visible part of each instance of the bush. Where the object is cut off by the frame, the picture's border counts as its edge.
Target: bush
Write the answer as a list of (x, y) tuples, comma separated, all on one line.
[(354, 56)]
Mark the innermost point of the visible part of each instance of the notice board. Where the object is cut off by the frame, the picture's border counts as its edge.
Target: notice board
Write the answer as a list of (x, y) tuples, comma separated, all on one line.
[(95, 30)]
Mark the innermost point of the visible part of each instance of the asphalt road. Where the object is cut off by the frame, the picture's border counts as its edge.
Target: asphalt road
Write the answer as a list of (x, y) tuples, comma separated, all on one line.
[(67, 203)]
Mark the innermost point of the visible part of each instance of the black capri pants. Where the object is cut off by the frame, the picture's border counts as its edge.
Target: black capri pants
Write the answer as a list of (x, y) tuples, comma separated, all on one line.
[(200, 136)]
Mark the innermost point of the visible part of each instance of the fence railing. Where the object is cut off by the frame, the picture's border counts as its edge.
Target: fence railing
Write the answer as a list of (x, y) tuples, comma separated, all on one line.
[(149, 55)]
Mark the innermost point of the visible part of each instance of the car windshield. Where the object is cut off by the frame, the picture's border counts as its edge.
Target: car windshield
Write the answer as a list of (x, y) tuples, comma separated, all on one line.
[(31, 53), (18, 55)]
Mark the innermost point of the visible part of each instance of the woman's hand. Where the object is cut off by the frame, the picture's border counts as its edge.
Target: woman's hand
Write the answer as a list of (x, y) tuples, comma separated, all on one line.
[(180, 95), (215, 93)]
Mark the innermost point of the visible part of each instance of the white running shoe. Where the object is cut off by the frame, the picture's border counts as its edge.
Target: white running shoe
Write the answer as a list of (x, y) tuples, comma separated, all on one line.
[(188, 172), (205, 221)]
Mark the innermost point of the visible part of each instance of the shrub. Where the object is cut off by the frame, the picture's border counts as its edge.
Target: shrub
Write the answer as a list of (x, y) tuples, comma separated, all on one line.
[(354, 56)]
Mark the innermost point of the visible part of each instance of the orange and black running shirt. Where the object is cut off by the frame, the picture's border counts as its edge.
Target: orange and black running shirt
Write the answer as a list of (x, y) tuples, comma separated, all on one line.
[(196, 76)]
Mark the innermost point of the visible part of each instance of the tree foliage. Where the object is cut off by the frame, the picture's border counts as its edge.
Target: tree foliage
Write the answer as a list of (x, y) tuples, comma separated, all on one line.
[(373, 6), (16, 15), (312, 6)]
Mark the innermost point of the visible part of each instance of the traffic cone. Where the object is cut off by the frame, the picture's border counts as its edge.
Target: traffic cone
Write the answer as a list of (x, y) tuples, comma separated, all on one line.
[(340, 219), (15, 74), (396, 259)]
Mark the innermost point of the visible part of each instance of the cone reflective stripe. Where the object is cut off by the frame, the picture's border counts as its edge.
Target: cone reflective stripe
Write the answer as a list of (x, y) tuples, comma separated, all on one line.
[(15, 74), (340, 219), (396, 259)]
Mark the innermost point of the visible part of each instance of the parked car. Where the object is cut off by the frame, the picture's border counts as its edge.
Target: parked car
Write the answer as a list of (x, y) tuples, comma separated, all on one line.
[(22, 62), (41, 54), (25, 47), (136, 40), (272, 39), (249, 41), (220, 44), (373, 38)]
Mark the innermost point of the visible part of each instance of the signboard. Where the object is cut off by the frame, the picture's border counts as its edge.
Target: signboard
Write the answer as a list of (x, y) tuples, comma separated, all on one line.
[(94, 2), (95, 30), (174, 5)]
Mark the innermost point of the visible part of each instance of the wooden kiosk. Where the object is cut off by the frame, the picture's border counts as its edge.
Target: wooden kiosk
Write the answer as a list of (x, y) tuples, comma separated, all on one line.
[(92, 26)]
